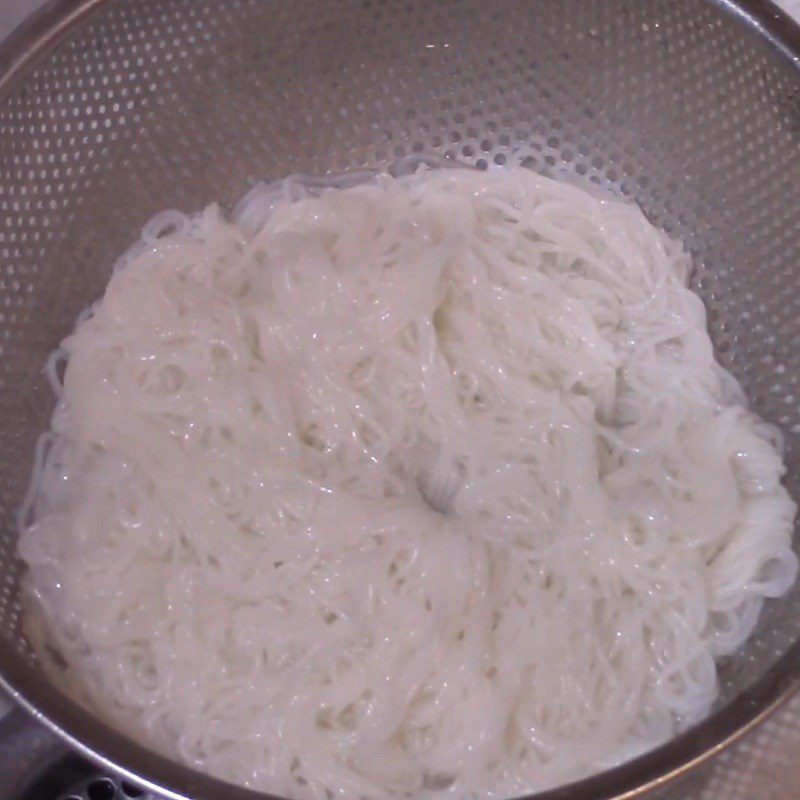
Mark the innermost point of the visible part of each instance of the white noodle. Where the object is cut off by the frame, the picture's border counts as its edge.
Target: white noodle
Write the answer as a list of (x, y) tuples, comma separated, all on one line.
[(428, 484)]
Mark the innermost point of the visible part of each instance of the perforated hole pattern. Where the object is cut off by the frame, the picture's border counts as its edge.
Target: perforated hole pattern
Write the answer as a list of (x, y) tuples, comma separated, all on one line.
[(174, 103), (104, 788)]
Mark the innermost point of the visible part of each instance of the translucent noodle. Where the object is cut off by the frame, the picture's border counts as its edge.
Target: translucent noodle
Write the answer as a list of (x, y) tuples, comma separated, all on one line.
[(427, 484)]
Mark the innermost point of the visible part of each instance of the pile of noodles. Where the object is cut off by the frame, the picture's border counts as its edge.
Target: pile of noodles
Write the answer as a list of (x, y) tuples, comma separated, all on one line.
[(423, 485)]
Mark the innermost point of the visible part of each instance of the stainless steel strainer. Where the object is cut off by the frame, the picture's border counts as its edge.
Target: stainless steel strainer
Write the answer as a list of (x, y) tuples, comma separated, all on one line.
[(111, 111)]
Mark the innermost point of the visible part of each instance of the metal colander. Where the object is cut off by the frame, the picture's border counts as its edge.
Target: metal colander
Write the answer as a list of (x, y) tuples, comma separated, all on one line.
[(111, 111)]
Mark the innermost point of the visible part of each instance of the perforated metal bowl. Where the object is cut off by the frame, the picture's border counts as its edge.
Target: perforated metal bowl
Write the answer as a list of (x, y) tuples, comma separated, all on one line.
[(111, 111)]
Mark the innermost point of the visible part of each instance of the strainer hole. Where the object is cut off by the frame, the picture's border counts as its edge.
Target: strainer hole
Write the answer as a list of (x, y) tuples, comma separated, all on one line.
[(468, 151), (102, 789), (499, 159)]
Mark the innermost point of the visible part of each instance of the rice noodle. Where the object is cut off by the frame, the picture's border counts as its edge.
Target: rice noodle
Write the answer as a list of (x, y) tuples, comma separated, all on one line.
[(428, 485)]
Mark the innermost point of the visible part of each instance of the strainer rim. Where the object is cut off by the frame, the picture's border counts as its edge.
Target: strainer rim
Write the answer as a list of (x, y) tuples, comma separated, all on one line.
[(38, 35)]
